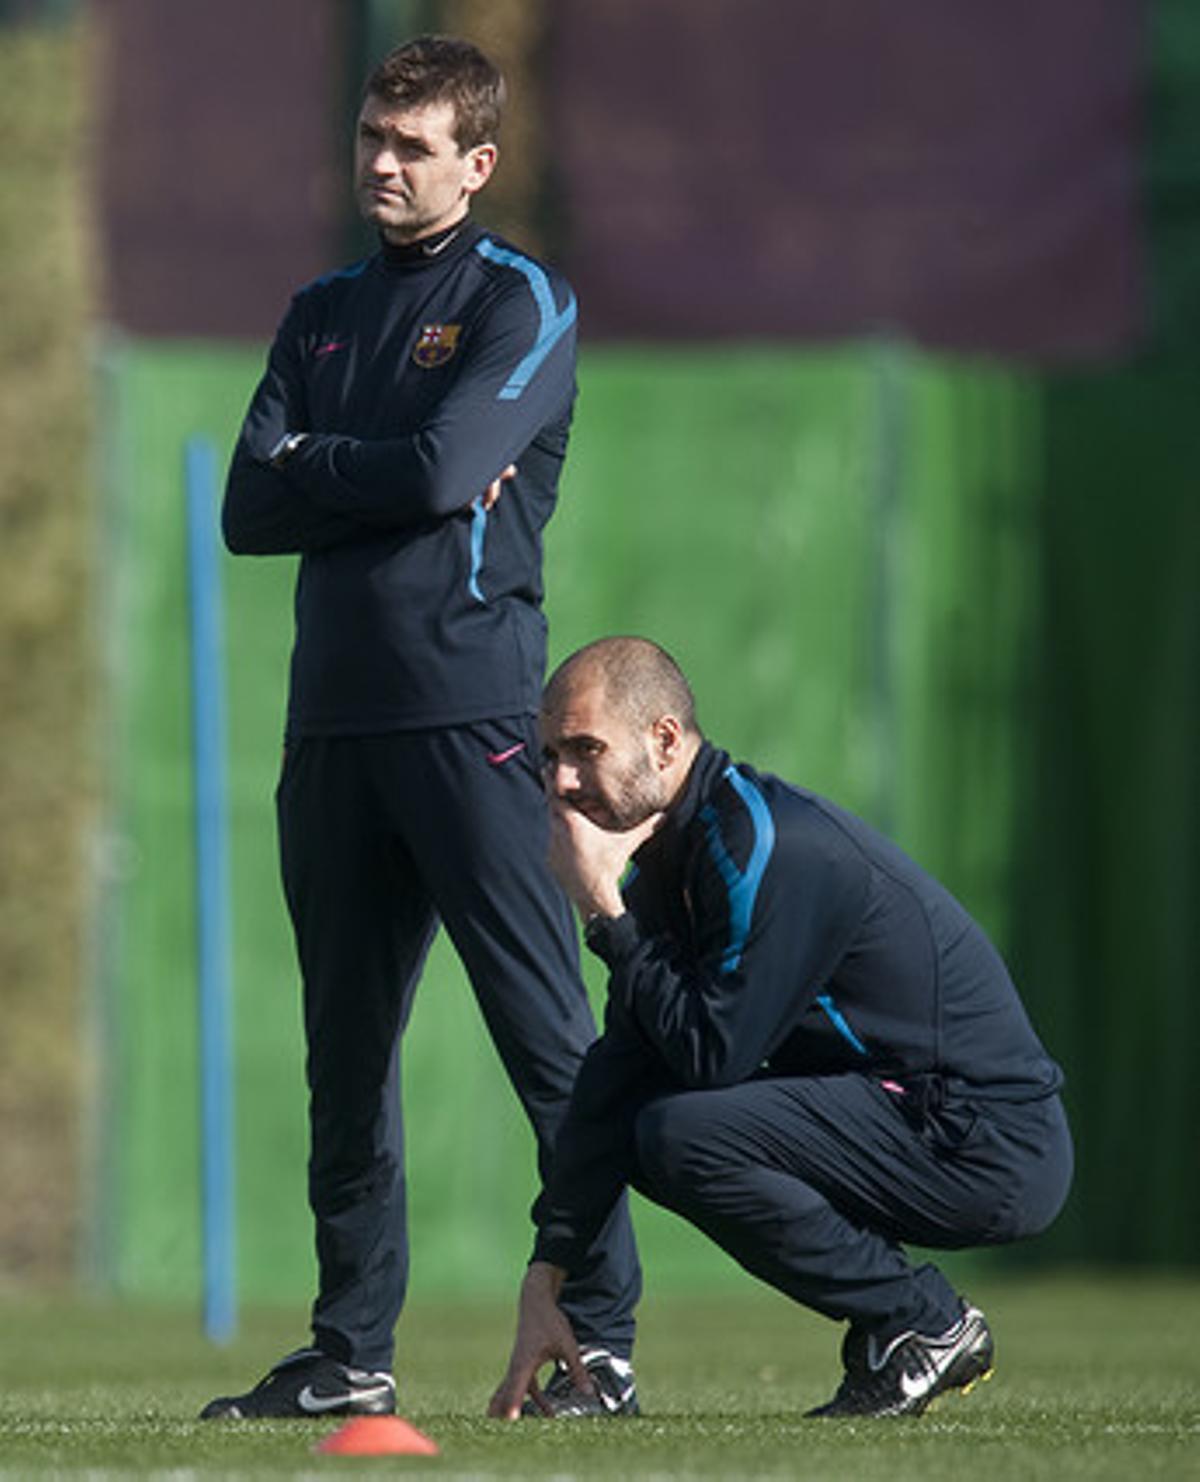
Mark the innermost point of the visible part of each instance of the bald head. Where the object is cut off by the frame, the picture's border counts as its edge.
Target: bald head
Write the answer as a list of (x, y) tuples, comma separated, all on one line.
[(638, 682), (619, 732)]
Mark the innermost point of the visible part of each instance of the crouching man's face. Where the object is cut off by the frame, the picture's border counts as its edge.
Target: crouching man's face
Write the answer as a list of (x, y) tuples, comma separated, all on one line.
[(598, 763)]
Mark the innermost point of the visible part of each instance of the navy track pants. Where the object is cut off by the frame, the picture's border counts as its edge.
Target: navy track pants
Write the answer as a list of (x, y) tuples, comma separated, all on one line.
[(813, 1184), (382, 838)]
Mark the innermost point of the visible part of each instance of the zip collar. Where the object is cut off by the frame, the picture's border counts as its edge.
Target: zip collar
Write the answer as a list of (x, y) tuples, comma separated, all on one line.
[(433, 251)]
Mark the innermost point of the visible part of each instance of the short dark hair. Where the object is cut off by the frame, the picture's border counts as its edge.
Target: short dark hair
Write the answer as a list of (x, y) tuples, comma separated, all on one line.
[(444, 69), (642, 682)]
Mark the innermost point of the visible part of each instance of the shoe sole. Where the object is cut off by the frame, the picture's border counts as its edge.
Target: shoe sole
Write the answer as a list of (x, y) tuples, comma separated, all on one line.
[(961, 1390), (349, 1410)]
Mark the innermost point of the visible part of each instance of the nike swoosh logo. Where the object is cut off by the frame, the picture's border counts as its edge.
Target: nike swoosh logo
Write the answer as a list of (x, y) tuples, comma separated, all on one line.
[(914, 1386), (615, 1402), (498, 758), (315, 1404), (330, 346)]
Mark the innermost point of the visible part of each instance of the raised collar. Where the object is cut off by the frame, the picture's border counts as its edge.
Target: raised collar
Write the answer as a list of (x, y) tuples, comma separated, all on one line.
[(708, 768), (431, 252)]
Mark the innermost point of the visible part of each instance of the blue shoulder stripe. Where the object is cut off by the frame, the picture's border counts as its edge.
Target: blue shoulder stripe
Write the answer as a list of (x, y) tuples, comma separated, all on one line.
[(555, 322), (742, 884), (840, 1022)]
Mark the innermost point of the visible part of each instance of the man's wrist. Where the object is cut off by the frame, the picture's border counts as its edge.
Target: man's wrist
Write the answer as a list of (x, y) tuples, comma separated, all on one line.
[(599, 901), (544, 1275)]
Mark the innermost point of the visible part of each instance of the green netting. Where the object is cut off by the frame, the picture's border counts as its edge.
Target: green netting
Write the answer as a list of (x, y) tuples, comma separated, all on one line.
[(835, 544), (1110, 863)]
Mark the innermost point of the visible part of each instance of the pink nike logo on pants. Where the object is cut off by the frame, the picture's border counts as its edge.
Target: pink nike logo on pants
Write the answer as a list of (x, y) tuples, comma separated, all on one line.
[(498, 758)]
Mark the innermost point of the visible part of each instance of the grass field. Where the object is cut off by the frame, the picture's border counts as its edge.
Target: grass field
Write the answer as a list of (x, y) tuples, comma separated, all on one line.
[(1096, 1379)]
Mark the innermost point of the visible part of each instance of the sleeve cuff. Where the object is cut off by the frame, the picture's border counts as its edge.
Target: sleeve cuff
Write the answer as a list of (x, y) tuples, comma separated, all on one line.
[(558, 1250), (612, 938)]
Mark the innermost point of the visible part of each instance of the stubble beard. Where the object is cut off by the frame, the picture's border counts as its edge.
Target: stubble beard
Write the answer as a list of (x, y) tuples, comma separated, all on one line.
[(403, 220), (392, 219), (634, 797)]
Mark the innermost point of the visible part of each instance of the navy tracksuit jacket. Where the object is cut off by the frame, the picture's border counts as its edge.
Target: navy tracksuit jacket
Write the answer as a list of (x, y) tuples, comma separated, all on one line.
[(419, 377), (813, 1052)]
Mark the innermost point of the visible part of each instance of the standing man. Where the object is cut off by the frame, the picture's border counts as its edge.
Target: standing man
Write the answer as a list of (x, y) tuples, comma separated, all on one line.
[(811, 1051), (407, 439)]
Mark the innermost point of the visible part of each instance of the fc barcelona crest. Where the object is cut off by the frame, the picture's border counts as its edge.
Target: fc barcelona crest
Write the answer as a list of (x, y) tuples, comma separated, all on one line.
[(436, 344)]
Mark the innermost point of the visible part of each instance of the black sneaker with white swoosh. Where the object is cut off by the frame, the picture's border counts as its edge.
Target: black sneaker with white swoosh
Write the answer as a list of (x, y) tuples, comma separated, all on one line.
[(905, 1376), (615, 1390), (308, 1384)]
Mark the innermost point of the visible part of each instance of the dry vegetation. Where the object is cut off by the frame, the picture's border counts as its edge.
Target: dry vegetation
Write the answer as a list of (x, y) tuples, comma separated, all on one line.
[(511, 32), (46, 534)]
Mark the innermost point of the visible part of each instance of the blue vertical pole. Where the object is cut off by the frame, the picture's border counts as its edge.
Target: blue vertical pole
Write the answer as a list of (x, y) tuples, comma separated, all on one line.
[(212, 891)]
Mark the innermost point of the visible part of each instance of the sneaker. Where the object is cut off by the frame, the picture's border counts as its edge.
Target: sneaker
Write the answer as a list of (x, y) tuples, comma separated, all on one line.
[(910, 1372), (616, 1390), (305, 1384)]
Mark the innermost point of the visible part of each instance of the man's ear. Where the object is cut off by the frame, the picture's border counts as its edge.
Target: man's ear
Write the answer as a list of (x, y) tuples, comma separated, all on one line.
[(667, 741), (482, 161)]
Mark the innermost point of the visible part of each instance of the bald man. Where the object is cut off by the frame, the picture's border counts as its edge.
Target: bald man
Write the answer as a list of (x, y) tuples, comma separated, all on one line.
[(811, 1051)]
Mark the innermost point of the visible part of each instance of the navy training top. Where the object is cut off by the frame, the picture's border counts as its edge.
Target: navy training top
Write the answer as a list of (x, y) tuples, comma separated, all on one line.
[(769, 932), (419, 374)]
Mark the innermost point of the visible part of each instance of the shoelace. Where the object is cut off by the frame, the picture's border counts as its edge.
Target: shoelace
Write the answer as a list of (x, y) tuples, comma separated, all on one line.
[(560, 1384)]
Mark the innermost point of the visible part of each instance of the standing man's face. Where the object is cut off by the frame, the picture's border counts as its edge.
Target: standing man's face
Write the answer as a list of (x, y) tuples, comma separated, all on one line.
[(410, 179)]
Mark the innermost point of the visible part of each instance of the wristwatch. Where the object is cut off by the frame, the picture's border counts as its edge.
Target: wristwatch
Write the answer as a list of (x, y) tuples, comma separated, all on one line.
[(284, 448)]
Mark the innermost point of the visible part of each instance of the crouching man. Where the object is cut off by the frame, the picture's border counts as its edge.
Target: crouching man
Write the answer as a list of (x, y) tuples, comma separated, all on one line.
[(811, 1051)]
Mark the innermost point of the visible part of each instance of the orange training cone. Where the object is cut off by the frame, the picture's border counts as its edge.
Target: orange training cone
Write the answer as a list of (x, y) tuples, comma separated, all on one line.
[(377, 1435)]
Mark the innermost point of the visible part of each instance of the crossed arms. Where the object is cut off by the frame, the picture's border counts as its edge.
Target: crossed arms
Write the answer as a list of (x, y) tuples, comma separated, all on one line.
[(336, 488)]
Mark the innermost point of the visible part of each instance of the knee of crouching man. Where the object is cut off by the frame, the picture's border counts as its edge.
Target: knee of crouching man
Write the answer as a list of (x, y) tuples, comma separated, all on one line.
[(1043, 1178)]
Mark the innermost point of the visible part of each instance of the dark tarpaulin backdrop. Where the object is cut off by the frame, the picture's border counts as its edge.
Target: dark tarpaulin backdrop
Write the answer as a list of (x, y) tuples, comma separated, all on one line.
[(967, 174), (221, 175)]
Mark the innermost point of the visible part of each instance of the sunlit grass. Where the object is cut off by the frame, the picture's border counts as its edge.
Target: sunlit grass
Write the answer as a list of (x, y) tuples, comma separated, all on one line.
[(1096, 1379)]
